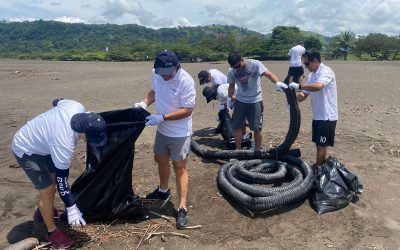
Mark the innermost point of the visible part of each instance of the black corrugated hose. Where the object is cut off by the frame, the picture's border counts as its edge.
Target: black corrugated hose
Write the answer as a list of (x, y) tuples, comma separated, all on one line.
[(272, 153), (241, 181), (246, 181)]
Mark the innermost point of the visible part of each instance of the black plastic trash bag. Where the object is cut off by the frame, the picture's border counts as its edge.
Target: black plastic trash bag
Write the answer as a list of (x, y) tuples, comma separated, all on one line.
[(104, 190), (225, 128), (334, 187)]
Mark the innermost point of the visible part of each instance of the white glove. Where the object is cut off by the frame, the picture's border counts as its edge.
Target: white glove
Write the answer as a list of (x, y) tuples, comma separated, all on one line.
[(75, 218), (141, 104), (280, 86), (154, 120), (294, 86)]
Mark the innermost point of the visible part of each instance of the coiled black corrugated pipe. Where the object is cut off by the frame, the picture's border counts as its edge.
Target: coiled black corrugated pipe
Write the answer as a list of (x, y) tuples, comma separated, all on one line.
[(240, 182), (274, 153)]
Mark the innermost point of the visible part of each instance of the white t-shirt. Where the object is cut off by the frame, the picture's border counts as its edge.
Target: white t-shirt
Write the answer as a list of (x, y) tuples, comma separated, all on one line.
[(222, 93), (248, 81), (50, 133), (171, 95), (295, 54), (324, 102), (217, 77)]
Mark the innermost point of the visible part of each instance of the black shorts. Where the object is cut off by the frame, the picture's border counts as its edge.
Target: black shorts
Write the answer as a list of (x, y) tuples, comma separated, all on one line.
[(323, 132), (295, 73)]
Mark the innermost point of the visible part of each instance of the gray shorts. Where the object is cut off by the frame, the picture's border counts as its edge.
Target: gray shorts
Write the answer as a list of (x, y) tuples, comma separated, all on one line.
[(253, 112), (176, 147), (38, 168)]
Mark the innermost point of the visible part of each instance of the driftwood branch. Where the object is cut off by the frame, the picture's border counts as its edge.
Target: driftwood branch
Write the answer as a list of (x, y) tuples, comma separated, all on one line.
[(28, 243)]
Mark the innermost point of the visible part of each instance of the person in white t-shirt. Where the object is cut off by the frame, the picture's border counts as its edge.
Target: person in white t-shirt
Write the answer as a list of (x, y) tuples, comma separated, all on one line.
[(44, 148), (173, 92), (296, 71), (214, 76), (321, 86)]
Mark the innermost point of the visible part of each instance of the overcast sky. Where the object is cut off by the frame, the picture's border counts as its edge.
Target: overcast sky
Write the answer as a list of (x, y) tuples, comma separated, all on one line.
[(327, 17)]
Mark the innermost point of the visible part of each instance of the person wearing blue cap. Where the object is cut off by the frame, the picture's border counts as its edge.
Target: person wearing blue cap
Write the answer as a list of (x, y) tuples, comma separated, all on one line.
[(173, 92), (44, 148)]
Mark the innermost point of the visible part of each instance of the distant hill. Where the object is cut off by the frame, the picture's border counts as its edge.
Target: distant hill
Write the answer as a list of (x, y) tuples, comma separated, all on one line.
[(67, 41)]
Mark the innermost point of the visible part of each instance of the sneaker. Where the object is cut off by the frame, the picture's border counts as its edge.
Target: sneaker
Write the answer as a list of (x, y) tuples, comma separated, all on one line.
[(158, 195), (37, 216), (182, 218), (59, 239)]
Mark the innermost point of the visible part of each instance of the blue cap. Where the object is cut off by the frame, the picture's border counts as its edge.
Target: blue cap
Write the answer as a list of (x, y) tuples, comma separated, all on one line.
[(93, 125), (166, 62)]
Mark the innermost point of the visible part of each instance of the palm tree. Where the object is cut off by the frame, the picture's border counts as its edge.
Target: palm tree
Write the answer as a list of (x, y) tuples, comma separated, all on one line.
[(344, 41)]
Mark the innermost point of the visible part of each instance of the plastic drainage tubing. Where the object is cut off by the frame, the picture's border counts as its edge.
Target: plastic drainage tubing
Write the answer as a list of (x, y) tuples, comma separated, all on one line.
[(273, 153), (240, 182)]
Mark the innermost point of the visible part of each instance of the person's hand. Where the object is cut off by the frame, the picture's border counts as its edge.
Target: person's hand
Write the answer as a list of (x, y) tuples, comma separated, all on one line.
[(280, 86), (229, 103), (75, 218), (154, 120), (294, 86), (141, 104)]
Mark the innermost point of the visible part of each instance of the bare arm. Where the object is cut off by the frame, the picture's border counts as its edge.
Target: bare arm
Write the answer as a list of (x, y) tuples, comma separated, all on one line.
[(231, 90), (178, 114), (149, 99), (313, 87), (271, 76), (301, 96)]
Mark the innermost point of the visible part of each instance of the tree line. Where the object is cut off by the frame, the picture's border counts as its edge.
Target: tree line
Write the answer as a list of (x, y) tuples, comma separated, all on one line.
[(53, 40)]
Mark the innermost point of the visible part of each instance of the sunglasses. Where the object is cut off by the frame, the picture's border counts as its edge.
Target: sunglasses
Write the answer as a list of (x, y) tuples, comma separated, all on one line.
[(307, 63), (236, 66)]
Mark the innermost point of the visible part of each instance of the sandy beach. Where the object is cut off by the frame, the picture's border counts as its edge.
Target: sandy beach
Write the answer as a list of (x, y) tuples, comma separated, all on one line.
[(367, 142)]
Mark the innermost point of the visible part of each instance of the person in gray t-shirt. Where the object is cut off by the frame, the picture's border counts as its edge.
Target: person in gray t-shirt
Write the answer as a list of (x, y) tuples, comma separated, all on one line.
[(246, 74)]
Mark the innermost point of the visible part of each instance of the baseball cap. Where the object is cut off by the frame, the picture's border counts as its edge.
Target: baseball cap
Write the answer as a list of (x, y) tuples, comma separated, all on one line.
[(166, 62), (209, 93), (203, 77), (93, 125)]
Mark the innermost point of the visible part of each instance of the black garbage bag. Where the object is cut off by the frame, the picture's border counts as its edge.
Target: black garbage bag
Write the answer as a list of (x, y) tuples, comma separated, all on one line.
[(225, 128), (334, 188), (104, 189)]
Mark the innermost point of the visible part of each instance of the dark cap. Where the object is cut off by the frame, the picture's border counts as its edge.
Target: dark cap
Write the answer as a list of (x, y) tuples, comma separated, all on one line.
[(234, 58), (166, 62), (93, 125), (203, 77), (210, 93)]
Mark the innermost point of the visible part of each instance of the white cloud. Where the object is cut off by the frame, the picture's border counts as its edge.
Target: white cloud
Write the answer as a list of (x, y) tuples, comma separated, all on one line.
[(327, 17), (68, 19)]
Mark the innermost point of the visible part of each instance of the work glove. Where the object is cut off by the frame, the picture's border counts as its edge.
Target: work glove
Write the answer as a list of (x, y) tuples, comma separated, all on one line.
[(294, 86), (141, 104), (75, 218), (154, 120), (280, 86)]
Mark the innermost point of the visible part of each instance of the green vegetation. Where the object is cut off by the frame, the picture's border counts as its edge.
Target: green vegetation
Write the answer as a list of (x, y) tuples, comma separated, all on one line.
[(52, 40)]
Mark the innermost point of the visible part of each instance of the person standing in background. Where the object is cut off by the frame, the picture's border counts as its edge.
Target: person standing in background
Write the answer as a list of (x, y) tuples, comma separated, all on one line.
[(296, 71)]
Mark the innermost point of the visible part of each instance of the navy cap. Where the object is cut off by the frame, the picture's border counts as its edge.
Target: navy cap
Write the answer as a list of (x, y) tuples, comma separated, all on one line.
[(203, 77), (166, 62), (93, 125), (210, 93)]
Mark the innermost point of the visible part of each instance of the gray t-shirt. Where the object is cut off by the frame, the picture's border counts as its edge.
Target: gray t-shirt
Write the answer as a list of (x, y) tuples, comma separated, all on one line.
[(248, 81)]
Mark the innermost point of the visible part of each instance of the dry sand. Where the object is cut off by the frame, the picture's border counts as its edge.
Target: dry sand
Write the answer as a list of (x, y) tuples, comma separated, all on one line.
[(367, 143)]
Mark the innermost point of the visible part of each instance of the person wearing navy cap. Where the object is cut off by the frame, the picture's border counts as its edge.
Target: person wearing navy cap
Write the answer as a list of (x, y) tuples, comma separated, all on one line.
[(44, 148), (173, 92)]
